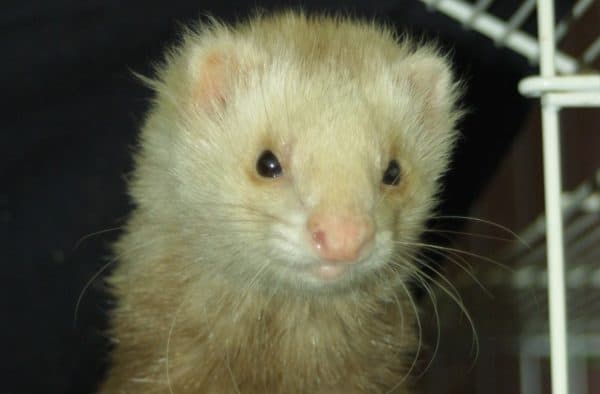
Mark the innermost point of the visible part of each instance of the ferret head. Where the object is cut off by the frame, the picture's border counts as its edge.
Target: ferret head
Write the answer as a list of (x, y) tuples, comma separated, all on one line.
[(297, 152)]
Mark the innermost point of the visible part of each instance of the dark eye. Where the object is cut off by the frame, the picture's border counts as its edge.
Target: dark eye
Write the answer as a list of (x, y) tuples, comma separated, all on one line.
[(268, 165), (391, 176)]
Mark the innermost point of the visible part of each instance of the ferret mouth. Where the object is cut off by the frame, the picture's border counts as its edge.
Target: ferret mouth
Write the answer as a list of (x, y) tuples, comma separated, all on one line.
[(320, 272), (334, 276), (329, 271), (319, 275)]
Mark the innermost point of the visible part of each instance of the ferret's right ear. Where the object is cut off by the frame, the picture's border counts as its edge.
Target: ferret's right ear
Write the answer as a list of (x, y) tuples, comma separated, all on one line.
[(216, 73), (210, 74)]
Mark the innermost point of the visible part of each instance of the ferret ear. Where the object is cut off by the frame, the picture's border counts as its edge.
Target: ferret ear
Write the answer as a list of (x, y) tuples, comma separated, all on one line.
[(218, 69), (430, 77), (213, 76)]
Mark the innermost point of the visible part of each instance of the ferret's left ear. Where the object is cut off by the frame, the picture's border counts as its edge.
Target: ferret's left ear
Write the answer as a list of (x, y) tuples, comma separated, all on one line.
[(430, 77)]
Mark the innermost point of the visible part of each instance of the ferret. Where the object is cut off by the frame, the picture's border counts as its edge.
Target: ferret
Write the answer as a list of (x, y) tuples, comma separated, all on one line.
[(285, 170)]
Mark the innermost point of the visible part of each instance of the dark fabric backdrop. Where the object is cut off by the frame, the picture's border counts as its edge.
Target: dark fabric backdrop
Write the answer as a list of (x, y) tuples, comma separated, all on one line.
[(70, 113)]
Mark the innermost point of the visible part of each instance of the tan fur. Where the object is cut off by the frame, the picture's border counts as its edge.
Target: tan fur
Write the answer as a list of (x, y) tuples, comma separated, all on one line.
[(211, 287)]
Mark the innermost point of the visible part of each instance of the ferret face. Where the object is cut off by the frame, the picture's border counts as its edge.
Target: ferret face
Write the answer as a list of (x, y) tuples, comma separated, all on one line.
[(288, 170)]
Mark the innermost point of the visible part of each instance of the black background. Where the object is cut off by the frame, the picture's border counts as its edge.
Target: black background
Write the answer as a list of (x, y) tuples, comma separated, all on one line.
[(70, 113)]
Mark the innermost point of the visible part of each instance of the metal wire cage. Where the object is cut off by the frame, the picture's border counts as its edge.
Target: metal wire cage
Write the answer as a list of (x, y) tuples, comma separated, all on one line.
[(564, 81)]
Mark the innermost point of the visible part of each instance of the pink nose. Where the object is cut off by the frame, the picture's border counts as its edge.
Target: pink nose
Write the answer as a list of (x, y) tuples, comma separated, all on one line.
[(340, 238)]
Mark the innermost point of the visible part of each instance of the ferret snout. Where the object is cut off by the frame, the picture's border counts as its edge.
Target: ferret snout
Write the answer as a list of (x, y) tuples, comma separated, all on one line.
[(340, 238)]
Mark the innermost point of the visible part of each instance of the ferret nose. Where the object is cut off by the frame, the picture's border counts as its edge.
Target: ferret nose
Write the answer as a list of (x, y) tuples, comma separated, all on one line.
[(340, 238)]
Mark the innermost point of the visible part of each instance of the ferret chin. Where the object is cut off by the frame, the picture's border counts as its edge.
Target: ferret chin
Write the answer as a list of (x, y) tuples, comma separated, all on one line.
[(285, 171)]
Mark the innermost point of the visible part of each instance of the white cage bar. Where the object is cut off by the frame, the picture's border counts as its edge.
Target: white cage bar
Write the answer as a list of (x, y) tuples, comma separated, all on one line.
[(555, 92), (559, 359)]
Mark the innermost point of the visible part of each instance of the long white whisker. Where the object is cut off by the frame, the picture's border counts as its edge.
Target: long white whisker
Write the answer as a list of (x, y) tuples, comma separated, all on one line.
[(488, 222), (458, 301), (428, 263), (168, 347), (87, 285), (231, 375), (108, 264), (454, 250), (88, 236), (419, 333), (453, 258), (474, 235), (433, 298)]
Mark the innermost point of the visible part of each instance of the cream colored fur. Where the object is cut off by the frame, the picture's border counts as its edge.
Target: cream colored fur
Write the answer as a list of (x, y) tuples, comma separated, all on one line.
[(212, 290)]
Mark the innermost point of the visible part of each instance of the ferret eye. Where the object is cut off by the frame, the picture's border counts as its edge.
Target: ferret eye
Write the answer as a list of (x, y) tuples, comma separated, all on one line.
[(268, 166), (391, 176)]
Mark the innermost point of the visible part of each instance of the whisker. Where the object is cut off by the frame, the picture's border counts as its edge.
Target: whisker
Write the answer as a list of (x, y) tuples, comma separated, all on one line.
[(467, 269), (433, 298), (428, 264), (229, 370), (88, 236), (250, 285), (419, 335), (488, 222), (168, 346), (422, 278), (458, 301), (106, 266), (474, 235), (454, 250), (438, 324), (87, 285)]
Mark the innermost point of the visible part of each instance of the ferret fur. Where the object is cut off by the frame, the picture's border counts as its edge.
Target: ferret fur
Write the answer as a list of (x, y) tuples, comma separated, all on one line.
[(211, 294)]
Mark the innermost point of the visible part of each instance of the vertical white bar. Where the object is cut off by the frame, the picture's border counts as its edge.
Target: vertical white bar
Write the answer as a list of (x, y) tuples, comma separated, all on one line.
[(552, 188), (556, 270), (545, 20)]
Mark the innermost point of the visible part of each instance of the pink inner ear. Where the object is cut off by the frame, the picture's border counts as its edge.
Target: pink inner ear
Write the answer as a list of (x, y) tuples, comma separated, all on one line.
[(210, 89), (430, 76)]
